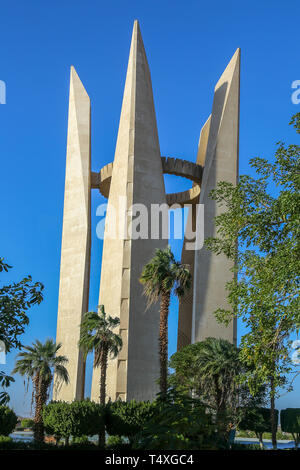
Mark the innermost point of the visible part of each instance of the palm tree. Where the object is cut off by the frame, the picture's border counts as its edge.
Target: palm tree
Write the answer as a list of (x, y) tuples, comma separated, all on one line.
[(161, 277), (97, 335), (39, 363), (218, 365)]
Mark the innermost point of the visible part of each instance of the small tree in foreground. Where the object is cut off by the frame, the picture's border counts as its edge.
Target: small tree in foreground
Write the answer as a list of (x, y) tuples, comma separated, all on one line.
[(39, 363), (76, 419), (161, 277), (128, 418), (258, 420), (8, 420), (290, 422)]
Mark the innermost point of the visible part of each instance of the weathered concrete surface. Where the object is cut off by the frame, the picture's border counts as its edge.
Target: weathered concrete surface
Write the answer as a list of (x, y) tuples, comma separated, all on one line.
[(137, 177), (212, 272), (185, 314), (76, 244)]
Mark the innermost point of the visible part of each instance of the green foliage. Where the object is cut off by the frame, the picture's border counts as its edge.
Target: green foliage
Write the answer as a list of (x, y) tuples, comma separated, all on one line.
[(164, 274), (127, 418), (210, 370), (96, 334), (8, 420), (117, 443), (178, 423), (238, 446), (290, 422), (259, 230), (27, 423), (15, 300), (79, 418), (257, 420)]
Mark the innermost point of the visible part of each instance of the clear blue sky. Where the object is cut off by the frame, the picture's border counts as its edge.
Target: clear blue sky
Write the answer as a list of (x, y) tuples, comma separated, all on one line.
[(188, 44)]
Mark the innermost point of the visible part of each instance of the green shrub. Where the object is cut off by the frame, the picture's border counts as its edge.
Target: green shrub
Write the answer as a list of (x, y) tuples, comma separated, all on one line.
[(257, 420), (117, 443), (179, 422), (290, 422), (8, 420), (79, 418), (27, 423), (127, 418)]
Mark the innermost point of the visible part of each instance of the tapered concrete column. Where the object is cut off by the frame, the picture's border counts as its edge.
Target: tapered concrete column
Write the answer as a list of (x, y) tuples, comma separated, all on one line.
[(212, 272), (137, 178), (76, 240), (188, 255)]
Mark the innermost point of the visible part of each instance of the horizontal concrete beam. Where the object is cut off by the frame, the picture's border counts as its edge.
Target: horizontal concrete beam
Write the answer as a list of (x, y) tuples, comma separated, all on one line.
[(171, 166)]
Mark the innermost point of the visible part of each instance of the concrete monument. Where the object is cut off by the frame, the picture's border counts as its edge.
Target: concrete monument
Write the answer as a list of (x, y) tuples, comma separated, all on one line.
[(136, 178)]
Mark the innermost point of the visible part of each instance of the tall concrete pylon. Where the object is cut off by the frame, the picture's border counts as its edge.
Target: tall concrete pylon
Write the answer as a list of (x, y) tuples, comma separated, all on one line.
[(185, 314), (137, 178), (212, 272), (76, 240)]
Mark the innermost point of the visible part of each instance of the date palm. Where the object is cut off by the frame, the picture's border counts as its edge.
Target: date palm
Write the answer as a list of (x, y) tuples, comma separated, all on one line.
[(39, 363), (161, 277), (97, 335)]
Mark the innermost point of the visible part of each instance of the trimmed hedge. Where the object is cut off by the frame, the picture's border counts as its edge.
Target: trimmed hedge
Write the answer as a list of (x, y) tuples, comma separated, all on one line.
[(290, 422), (77, 419), (258, 420), (127, 418)]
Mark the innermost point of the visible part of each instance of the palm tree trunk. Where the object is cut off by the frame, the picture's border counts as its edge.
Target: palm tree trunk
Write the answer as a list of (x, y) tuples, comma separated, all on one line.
[(103, 367), (38, 427), (163, 341)]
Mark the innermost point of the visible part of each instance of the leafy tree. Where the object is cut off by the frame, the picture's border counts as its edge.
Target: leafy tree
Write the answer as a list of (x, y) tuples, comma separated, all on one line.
[(161, 277), (77, 419), (265, 289), (258, 420), (15, 300), (39, 362), (8, 420), (179, 422), (210, 369), (290, 422), (97, 335), (127, 418)]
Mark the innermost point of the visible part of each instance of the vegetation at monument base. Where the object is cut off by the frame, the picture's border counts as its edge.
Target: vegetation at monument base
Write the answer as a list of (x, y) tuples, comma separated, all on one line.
[(210, 370), (161, 277), (264, 292), (15, 300), (38, 363)]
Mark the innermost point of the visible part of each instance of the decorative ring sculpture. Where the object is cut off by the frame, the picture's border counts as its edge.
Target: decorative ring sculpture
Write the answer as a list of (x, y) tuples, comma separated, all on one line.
[(171, 166)]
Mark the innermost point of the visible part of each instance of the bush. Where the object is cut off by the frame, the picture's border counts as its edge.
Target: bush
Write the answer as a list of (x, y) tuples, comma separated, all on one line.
[(77, 419), (117, 443), (179, 422), (8, 420), (257, 420), (290, 422), (27, 423), (127, 418)]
